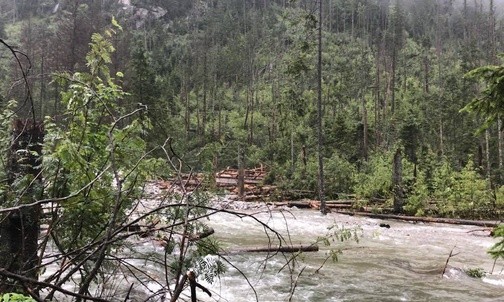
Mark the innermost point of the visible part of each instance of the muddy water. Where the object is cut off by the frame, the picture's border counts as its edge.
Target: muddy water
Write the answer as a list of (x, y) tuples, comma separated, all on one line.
[(402, 263)]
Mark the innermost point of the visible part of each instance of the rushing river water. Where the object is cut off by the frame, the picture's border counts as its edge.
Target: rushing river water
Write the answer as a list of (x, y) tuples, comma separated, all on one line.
[(401, 263)]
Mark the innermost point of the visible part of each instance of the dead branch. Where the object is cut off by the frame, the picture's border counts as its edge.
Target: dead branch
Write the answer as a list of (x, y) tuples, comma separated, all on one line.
[(201, 235), (448, 260), (24, 73), (291, 295), (24, 279)]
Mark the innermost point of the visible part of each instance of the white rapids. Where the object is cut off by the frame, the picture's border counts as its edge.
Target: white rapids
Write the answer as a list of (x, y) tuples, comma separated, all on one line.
[(402, 263)]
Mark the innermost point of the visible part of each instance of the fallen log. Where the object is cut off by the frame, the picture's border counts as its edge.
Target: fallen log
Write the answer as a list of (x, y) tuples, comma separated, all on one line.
[(199, 236), (313, 204), (341, 201), (252, 197), (278, 249), (339, 206), (482, 223), (376, 210), (299, 204)]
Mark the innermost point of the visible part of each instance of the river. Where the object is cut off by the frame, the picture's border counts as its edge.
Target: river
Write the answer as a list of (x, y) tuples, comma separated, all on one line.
[(401, 263)]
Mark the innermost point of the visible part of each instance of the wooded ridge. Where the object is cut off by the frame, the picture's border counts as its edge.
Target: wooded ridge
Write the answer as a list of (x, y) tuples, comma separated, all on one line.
[(390, 107)]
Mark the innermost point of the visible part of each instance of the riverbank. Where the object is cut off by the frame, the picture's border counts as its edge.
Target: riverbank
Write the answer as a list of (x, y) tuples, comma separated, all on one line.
[(342, 207)]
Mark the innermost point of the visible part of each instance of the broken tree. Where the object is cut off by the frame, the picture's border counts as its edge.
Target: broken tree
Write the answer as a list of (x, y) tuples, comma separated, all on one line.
[(19, 228)]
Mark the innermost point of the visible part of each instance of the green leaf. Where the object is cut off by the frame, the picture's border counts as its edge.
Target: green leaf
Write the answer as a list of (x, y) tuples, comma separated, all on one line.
[(116, 24)]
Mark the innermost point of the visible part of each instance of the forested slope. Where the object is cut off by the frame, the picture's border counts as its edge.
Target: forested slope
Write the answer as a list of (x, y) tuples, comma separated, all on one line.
[(223, 77)]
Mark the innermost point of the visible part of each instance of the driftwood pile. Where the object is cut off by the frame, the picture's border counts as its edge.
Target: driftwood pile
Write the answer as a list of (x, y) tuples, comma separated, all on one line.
[(248, 187)]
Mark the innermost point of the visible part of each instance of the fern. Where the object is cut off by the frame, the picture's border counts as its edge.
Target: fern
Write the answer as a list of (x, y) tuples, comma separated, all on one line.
[(209, 268), (497, 250)]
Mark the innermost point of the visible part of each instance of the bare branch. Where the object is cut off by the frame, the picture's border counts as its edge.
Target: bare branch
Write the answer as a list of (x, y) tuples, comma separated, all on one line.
[(24, 279), (57, 199), (15, 54)]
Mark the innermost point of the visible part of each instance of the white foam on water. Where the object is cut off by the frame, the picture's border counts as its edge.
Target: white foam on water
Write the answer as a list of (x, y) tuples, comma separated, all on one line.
[(494, 279), (363, 273)]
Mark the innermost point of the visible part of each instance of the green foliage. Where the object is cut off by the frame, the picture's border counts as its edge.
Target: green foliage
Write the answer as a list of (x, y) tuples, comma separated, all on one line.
[(499, 197), (497, 250), (443, 178), (339, 175), (338, 234), (210, 267), (375, 177), (217, 76), (7, 115), (16, 186), (463, 193), (475, 272), (14, 297), (456, 193), (419, 198), (96, 158), (200, 255), (204, 70), (491, 104)]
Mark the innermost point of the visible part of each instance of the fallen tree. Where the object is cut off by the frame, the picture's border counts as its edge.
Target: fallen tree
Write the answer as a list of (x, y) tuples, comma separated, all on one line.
[(482, 223), (278, 249)]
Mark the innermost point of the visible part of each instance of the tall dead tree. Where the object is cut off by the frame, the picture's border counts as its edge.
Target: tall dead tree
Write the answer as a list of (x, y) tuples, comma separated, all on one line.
[(19, 228)]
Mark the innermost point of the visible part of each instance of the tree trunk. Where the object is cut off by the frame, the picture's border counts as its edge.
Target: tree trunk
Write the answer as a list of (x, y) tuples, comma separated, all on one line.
[(320, 141), (198, 112), (465, 21), (251, 128), (487, 156), (19, 229), (393, 80), (241, 172), (187, 114), (205, 97), (377, 98), (219, 114), (397, 182), (247, 107), (364, 130), (426, 73), (500, 146), (293, 159)]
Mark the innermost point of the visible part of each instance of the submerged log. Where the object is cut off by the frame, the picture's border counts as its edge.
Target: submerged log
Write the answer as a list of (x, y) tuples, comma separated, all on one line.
[(481, 223), (279, 249), (201, 235), (300, 204)]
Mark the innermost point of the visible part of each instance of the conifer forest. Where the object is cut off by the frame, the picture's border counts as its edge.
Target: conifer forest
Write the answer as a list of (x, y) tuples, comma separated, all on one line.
[(121, 119)]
